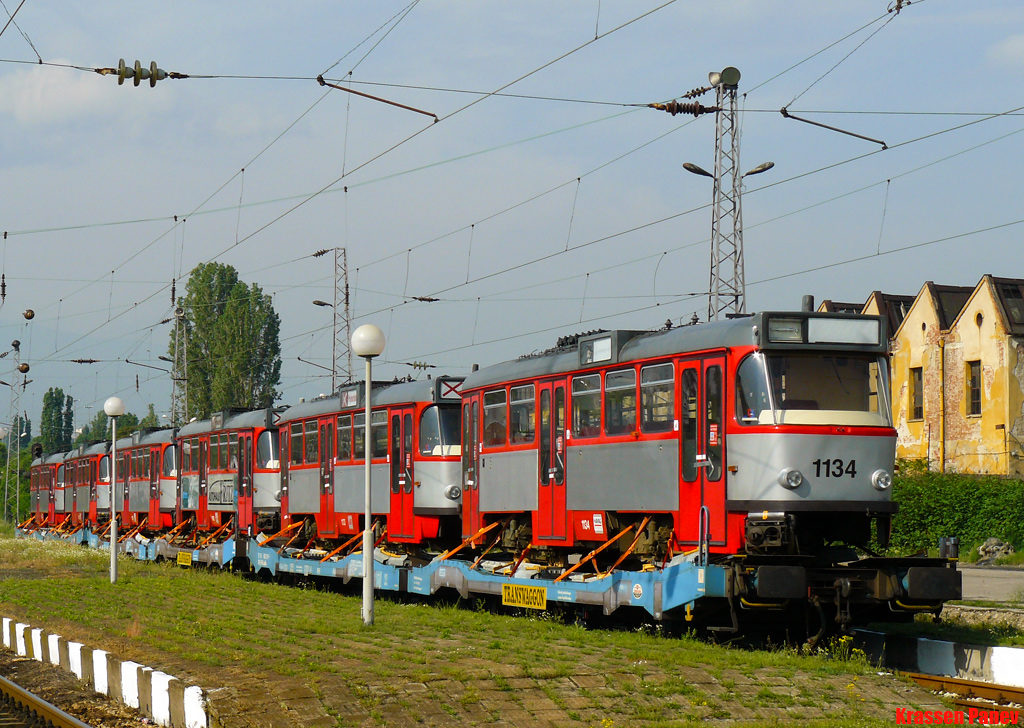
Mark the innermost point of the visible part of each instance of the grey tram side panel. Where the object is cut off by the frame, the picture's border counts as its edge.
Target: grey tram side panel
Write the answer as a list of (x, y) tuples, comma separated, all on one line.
[(350, 486), (508, 480), (625, 476)]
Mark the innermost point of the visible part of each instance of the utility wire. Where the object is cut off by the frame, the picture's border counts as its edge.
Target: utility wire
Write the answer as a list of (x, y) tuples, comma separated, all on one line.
[(627, 231), (23, 33)]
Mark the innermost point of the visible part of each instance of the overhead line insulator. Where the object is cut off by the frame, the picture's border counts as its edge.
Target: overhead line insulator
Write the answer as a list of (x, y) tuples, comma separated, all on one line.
[(676, 107)]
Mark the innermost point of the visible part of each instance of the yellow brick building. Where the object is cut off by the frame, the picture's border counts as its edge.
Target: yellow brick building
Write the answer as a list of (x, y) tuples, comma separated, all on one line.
[(957, 373)]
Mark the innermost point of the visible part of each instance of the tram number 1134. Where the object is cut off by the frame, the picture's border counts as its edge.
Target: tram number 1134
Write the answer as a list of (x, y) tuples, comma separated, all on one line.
[(834, 468)]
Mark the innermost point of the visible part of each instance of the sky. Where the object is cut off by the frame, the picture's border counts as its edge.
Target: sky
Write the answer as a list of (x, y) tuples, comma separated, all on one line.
[(547, 199)]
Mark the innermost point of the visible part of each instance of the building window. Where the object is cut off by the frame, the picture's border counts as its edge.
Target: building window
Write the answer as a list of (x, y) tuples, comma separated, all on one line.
[(1013, 300), (916, 394), (974, 387)]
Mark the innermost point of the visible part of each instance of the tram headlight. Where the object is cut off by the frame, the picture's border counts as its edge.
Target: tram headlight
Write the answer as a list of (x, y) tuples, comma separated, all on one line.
[(791, 478), (452, 492), (881, 479)]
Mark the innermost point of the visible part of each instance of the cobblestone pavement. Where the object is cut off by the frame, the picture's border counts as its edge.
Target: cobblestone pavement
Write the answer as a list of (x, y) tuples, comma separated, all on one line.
[(498, 695)]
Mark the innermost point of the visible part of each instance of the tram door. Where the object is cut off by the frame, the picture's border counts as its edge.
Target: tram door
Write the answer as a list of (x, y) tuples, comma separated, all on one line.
[(401, 522), (551, 518), (702, 441), (202, 514), (244, 494), (155, 462), (326, 524), (471, 519)]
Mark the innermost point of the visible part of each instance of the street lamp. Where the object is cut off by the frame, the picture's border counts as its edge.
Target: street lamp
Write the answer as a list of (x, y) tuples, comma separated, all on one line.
[(720, 199), (114, 408), (334, 344), (368, 342)]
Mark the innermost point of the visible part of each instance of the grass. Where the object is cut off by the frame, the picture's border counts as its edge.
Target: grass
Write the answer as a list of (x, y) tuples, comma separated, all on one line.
[(195, 623)]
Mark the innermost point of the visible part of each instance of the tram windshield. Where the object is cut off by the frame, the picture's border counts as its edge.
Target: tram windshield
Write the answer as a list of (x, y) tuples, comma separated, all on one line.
[(268, 449), (440, 430), (813, 389)]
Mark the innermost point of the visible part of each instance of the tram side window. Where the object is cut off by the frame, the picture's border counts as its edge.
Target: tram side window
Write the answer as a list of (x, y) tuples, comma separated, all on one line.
[(751, 391), (620, 402), (345, 437), (379, 433), (105, 468), (657, 399), (295, 444), (522, 414), (268, 448), (195, 454), (586, 406), (145, 463), (312, 444), (715, 430), (233, 449), (223, 452), (359, 435), (689, 424), (495, 418), (467, 439)]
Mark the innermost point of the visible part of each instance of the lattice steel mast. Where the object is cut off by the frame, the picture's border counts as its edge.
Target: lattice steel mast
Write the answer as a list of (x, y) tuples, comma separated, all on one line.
[(727, 289), (341, 369), (727, 292)]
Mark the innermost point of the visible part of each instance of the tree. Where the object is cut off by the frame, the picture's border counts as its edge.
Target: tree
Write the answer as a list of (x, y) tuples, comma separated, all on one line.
[(150, 421), (67, 432), (232, 336), (57, 422), (99, 428)]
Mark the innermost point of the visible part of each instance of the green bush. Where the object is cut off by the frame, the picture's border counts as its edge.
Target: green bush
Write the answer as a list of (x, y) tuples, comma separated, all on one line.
[(971, 507)]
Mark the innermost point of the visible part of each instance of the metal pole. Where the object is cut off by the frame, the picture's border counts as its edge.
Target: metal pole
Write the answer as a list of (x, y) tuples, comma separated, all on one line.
[(113, 510), (367, 530)]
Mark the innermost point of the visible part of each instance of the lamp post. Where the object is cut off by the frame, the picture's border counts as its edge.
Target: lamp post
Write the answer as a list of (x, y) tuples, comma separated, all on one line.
[(368, 342), (114, 408)]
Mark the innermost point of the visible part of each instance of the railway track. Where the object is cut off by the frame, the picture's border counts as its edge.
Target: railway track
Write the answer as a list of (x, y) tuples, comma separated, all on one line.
[(972, 693), (18, 708)]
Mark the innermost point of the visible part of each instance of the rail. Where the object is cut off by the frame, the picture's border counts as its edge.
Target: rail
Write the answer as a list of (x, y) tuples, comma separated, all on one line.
[(969, 692), (49, 714)]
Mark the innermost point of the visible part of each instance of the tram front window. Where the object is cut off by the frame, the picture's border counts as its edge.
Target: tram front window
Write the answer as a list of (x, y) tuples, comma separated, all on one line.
[(440, 431), (813, 389)]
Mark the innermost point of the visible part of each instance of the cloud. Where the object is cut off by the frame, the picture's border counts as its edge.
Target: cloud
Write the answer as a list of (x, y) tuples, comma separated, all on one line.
[(48, 95), (1009, 52)]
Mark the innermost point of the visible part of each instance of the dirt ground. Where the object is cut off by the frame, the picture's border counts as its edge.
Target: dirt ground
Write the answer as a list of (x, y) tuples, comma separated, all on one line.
[(64, 690)]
